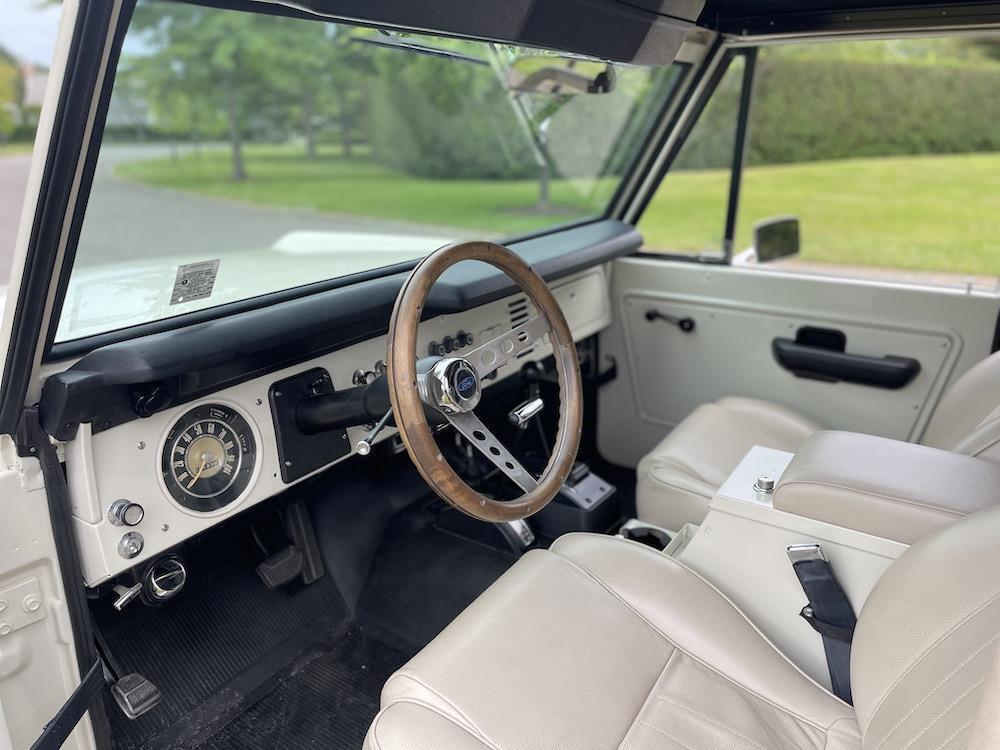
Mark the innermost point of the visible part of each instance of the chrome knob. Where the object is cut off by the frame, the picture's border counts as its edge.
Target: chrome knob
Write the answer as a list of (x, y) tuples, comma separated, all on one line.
[(363, 377), (130, 545), (125, 513), (765, 483)]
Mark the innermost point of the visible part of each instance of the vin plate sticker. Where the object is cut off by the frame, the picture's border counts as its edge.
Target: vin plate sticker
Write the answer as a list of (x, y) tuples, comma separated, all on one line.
[(194, 281)]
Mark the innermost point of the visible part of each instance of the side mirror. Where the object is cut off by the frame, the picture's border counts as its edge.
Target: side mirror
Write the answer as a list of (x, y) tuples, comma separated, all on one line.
[(776, 237), (561, 76)]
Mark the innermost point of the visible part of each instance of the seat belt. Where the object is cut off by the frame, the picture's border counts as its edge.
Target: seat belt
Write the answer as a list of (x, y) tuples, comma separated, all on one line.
[(828, 612)]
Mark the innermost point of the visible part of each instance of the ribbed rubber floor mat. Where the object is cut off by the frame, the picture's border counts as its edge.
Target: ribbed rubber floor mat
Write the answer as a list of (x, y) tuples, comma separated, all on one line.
[(327, 701), (196, 647)]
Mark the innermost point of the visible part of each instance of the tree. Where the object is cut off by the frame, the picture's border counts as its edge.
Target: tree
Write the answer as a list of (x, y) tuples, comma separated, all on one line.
[(204, 64), (11, 94)]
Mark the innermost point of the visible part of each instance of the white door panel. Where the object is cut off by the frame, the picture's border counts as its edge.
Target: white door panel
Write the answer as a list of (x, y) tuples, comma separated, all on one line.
[(665, 373)]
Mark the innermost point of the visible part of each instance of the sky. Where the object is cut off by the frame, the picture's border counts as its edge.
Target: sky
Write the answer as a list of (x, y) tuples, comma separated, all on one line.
[(28, 29)]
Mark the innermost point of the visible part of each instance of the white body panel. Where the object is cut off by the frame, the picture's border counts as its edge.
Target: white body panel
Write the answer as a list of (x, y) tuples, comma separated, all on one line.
[(38, 668), (665, 373)]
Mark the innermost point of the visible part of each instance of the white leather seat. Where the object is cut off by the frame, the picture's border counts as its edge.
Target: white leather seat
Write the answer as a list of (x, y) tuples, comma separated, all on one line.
[(604, 643), (678, 477)]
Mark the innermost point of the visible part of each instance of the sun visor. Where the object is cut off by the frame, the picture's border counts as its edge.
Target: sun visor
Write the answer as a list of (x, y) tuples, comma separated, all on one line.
[(647, 32)]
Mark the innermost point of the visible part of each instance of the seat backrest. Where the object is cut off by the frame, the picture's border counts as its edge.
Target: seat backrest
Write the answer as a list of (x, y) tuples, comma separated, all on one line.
[(967, 420), (927, 638)]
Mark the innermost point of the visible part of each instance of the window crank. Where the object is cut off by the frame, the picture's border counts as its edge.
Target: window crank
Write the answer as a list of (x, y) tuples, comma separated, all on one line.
[(686, 324)]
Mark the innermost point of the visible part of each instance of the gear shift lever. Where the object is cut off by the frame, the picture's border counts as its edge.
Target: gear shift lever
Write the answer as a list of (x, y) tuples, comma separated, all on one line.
[(521, 414)]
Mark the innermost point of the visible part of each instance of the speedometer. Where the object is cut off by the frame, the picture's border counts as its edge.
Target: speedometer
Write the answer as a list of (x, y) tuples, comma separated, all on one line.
[(208, 458)]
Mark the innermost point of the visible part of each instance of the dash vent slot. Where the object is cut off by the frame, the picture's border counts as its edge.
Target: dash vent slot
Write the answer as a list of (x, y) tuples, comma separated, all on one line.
[(519, 310)]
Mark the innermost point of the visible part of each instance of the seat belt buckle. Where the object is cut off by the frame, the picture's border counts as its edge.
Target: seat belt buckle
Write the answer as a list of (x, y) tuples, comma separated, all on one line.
[(805, 552)]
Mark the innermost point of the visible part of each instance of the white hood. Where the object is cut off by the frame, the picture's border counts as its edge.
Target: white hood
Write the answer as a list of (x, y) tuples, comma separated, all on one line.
[(107, 297)]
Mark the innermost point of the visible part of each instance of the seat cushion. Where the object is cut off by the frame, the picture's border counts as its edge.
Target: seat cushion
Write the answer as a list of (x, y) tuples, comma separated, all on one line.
[(679, 476), (605, 643)]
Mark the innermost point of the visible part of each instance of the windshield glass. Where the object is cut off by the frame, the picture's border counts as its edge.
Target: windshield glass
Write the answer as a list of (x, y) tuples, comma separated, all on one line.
[(245, 154)]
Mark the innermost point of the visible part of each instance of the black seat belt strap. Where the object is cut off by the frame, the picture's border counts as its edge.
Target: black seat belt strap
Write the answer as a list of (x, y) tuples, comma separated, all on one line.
[(62, 725), (828, 612)]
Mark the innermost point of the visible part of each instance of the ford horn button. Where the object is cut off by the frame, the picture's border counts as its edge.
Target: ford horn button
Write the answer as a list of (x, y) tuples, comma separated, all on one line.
[(465, 383)]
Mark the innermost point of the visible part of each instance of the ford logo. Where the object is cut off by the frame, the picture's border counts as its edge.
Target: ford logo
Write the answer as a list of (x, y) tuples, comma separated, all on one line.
[(466, 385)]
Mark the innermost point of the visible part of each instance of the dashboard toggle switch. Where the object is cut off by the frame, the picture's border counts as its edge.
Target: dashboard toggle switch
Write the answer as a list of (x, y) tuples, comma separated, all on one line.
[(125, 513)]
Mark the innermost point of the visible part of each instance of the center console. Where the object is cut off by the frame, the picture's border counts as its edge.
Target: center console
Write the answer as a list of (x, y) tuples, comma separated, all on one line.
[(862, 499)]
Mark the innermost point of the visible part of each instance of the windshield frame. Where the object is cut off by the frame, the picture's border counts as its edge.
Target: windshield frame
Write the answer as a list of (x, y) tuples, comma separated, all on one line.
[(56, 351)]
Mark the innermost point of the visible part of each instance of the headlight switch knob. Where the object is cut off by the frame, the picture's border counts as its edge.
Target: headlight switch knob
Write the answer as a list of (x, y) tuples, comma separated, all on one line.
[(125, 513)]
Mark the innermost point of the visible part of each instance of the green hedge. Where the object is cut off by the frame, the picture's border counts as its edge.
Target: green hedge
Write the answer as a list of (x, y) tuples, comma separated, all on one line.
[(806, 110), (813, 110)]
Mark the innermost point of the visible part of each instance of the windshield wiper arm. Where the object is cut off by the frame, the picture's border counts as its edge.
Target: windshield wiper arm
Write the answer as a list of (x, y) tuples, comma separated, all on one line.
[(418, 49)]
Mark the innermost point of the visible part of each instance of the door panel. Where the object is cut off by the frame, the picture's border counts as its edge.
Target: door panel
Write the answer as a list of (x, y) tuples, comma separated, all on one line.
[(665, 372)]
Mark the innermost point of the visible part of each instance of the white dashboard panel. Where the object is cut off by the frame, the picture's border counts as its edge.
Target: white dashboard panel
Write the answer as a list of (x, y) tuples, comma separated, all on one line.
[(124, 462)]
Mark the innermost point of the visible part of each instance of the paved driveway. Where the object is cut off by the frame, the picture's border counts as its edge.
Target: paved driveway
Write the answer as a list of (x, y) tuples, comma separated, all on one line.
[(128, 221)]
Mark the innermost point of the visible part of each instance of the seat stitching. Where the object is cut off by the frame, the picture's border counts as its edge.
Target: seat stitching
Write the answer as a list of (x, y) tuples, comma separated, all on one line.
[(705, 664), (978, 452), (710, 721), (678, 487), (936, 719), (831, 731), (941, 639), (674, 651), (665, 462), (962, 727), (937, 687), (901, 501), (423, 704), (660, 731), (428, 688)]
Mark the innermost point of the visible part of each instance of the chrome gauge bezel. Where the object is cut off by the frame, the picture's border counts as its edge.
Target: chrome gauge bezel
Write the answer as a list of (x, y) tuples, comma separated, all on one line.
[(245, 460)]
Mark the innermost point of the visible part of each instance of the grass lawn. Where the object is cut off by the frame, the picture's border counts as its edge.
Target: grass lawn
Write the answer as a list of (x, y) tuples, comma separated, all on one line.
[(359, 187), (934, 213), (10, 149)]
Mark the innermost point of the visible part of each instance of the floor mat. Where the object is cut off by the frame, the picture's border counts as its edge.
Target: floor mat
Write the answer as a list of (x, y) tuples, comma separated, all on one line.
[(198, 647), (240, 666), (327, 700), (423, 577)]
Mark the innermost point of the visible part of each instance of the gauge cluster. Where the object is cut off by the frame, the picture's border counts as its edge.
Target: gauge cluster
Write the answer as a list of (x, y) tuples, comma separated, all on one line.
[(141, 488), (208, 458)]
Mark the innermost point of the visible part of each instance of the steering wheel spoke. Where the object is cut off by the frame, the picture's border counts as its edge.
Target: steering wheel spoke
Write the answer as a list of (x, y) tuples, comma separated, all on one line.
[(497, 352), (477, 433)]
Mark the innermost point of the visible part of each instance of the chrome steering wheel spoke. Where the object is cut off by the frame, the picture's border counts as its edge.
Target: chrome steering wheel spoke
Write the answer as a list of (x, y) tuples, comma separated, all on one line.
[(498, 351), (472, 427)]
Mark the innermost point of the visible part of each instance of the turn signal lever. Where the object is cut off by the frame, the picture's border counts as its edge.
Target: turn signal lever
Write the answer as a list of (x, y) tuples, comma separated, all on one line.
[(686, 324)]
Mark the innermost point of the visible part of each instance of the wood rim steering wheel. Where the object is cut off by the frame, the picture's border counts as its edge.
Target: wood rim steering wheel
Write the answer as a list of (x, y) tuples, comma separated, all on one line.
[(451, 385)]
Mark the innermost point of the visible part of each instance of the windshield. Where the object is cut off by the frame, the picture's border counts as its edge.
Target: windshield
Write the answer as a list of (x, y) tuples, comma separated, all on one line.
[(245, 154)]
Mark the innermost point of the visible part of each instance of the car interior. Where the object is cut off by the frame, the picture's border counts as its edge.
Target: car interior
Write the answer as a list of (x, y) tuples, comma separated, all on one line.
[(529, 488)]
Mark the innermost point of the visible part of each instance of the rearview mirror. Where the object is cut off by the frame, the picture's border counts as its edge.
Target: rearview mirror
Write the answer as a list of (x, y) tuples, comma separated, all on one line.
[(776, 237), (550, 74)]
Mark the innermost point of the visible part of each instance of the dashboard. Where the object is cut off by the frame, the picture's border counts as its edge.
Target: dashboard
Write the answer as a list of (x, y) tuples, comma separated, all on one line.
[(142, 486)]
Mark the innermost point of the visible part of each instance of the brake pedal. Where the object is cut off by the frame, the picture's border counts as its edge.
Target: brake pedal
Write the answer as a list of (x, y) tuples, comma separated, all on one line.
[(281, 568), (135, 694)]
